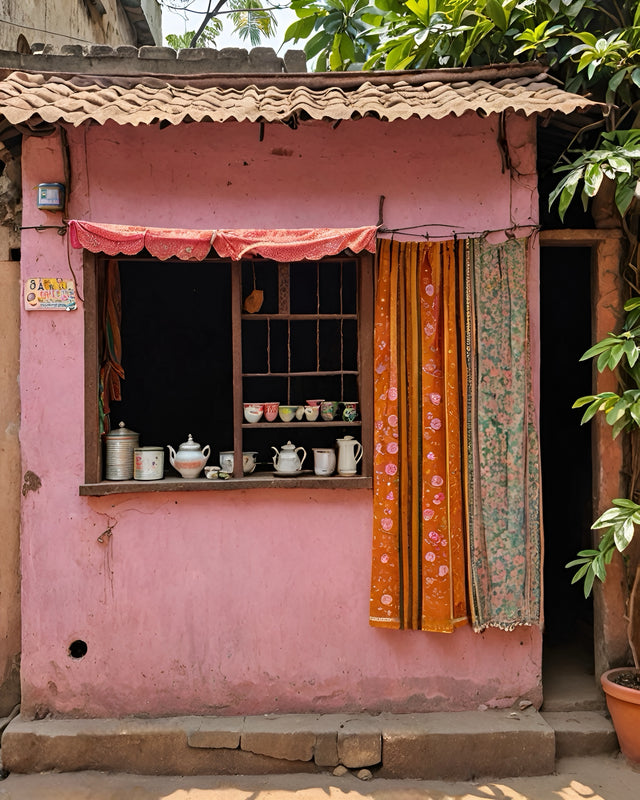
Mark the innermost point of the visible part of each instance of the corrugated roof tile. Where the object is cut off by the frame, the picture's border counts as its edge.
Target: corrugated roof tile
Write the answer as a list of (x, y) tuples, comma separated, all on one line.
[(27, 97)]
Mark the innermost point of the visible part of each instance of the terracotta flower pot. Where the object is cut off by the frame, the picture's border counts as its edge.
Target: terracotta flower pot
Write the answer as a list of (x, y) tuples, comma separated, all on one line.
[(624, 706)]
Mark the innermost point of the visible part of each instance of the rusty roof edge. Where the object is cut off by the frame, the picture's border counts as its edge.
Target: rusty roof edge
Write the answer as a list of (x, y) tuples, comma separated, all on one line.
[(313, 80)]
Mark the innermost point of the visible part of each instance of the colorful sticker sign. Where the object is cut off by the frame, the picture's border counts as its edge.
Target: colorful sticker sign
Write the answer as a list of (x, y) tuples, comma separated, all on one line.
[(49, 294)]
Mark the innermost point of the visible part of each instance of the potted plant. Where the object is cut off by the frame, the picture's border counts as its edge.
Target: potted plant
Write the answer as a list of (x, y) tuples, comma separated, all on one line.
[(620, 353)]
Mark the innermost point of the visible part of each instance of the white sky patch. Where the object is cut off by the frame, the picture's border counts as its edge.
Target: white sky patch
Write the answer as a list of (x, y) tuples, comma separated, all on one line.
[(178, 22)]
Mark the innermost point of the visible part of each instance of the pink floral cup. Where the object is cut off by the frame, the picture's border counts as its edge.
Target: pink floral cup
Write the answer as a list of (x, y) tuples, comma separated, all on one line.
[(253, 411)]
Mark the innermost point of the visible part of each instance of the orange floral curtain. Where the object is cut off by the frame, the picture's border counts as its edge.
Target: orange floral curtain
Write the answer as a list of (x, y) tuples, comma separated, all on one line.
[(418, 572)]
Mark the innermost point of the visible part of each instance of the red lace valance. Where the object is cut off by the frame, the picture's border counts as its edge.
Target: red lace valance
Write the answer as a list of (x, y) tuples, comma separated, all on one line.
[(194, 245)]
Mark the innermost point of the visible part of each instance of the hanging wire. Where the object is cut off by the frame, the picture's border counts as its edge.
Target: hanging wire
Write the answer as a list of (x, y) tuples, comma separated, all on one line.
[(510, 232)]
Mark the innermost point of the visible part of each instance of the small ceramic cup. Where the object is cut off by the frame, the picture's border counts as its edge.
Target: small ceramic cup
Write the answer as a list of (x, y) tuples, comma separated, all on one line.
[(271, 411), (211, 473), (324, 460), (315, 402), (253, 411), (226, 461), (349, 411), (328, 410), (299, 412), (248, 461), (312, 413), (287, 413)]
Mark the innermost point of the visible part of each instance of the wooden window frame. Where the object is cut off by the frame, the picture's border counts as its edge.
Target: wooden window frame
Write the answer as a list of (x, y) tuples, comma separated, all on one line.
[(95, 485)]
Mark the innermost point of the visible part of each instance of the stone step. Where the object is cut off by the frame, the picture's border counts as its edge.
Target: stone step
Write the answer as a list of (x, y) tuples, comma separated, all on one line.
[(437, 746), (581, 733)]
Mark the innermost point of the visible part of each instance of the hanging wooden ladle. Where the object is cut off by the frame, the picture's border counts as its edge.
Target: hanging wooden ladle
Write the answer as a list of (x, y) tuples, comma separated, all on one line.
[(253, 301)]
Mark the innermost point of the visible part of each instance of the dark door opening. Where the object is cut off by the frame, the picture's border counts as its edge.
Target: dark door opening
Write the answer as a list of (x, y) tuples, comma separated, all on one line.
[(565, 330)]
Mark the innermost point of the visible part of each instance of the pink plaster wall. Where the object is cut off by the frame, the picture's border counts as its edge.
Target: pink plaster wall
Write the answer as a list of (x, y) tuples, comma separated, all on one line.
[(242, 601)]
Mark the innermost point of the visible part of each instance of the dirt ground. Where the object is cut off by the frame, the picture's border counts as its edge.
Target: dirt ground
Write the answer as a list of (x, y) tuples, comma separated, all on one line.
[(594, 778)]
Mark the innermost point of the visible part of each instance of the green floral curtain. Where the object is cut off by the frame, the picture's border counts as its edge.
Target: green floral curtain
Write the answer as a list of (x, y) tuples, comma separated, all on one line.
[(503, 459)]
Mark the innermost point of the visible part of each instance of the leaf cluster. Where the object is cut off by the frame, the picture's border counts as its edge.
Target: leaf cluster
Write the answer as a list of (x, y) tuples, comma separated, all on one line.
[(251, 19), (340, 34), (617, 352), (618, 523), (587, 36), (182, 41), (617, 158), (621, 353)]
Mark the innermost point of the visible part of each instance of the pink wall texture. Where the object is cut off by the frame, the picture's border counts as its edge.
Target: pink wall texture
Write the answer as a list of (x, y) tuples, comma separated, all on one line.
[(225, 602)]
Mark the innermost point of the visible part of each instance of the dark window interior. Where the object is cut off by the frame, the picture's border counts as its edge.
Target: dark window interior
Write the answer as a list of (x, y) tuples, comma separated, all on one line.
[(176, 330), (177, 351)]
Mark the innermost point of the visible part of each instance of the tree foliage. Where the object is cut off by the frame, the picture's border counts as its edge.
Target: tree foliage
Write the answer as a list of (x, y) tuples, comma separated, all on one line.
[(425, 34), (251, 19)]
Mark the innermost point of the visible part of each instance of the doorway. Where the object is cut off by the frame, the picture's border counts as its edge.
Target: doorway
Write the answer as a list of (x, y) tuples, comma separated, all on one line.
[(565, 334)]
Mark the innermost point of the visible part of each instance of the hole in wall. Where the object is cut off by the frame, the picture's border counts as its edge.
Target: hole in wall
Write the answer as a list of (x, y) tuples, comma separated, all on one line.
[(22, 45), (78, 649), (14, 254)]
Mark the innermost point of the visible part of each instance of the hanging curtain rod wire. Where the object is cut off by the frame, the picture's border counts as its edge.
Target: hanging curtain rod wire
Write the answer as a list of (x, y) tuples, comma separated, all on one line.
[(509, 232)]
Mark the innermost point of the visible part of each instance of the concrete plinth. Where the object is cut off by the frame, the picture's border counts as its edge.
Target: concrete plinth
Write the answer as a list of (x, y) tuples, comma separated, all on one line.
[(444, 746)]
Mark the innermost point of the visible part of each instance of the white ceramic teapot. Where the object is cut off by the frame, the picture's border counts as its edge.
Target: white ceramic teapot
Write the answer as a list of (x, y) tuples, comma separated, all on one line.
[(287, 461), (190, 459)]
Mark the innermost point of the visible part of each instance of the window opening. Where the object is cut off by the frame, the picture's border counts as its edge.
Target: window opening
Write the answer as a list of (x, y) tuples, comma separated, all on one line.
[(192, 356)]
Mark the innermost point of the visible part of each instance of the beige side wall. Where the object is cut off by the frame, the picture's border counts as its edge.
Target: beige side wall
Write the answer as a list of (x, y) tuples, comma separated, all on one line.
[(60, 22), (9, 483)]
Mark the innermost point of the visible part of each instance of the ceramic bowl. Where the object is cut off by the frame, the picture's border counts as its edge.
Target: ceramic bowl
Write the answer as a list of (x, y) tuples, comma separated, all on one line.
[(312, 413), (315, 402), (271, 411), (253, 411), (299, 412), (287, 413)]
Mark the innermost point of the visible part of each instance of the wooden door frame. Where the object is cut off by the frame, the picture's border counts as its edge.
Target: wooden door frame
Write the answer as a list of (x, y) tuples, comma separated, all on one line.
[(607, 250)]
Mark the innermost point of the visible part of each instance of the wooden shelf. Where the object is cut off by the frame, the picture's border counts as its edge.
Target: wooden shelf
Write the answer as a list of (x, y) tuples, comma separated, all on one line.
[(303, 423), (303, 317), (310, 374), (258, 480)]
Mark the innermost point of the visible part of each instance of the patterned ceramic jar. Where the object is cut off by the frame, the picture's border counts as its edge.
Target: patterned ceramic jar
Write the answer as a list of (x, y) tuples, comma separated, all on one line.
[(148, 463)]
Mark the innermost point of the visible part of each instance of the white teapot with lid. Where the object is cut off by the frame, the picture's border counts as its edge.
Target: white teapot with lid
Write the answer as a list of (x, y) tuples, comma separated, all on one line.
[(286, 460), (190, 459)]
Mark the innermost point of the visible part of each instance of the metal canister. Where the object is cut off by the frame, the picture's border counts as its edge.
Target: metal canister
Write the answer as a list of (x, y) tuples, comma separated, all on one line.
[(120, 445), (148, 463)]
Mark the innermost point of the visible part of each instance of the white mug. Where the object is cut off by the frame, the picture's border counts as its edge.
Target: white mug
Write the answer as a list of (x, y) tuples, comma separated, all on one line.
[(324, 460)]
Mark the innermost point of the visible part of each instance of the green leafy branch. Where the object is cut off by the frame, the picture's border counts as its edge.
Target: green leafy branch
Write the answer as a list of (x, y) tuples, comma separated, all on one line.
[(338, 32), (618, 159), (618, 523), (619, 352), (622, 411), (181, 41)]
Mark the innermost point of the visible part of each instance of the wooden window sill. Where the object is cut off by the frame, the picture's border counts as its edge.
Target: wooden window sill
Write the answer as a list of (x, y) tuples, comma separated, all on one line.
[(264, 480)]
